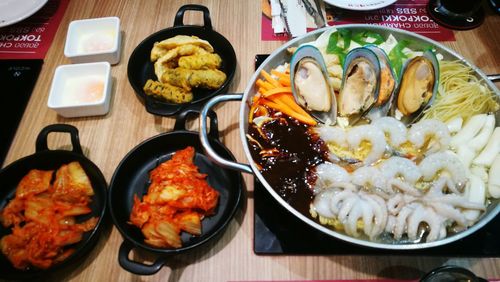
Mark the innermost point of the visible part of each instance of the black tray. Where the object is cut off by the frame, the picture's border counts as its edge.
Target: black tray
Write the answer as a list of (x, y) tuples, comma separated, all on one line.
[(18, 78)]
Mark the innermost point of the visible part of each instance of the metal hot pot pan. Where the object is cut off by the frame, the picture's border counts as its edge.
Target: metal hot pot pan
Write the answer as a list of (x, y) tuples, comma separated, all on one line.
[(280, 56)]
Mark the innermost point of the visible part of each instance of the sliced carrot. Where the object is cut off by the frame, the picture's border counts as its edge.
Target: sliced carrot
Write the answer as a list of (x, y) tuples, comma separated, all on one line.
[(290, 102), (264, 84), (285, 81), (280, 106), (256, 98), (283, 78), (279, 74), (270, 79), (277, 90)]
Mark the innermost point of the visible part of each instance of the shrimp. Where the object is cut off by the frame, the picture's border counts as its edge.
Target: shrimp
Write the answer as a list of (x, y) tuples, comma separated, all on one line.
[(369, 176), (440, 162), (332, 134), (371, 134), (397, 166), (329, 175), (393, 128), (336, 137), (430, 132)]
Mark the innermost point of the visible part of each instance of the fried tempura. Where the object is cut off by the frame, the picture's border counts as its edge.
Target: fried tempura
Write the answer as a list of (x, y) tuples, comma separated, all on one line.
[(161, 48), (187, 79), (167, 92), (170, 58), (200, 62), (182, 63)]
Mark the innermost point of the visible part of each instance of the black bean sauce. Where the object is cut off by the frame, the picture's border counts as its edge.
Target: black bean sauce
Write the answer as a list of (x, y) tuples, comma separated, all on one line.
[(294, 150)]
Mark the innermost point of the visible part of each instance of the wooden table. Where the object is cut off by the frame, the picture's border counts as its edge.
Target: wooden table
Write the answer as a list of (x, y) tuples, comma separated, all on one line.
[(107, 139)]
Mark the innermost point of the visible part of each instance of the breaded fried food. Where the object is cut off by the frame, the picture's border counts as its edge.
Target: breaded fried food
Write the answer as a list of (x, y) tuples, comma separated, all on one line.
[(170, 58), (162, 47), (167, 92), (187, 79), (200, 62)]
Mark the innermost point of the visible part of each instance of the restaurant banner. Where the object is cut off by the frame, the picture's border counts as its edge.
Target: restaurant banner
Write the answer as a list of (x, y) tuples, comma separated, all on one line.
[(410, 15), (32, 37)]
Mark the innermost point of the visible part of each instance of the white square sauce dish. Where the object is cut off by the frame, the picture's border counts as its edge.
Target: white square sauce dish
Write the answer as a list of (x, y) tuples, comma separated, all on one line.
[(81, 90), (94, 40)]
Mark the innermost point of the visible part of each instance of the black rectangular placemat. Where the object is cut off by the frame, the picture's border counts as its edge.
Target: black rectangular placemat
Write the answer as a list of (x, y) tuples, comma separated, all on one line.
[(17, 79), (277, 231)]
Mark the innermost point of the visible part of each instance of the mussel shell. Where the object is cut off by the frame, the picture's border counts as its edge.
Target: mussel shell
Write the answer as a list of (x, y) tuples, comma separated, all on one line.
[(378, 111), (310, 52), (352, 58), (414, 117)]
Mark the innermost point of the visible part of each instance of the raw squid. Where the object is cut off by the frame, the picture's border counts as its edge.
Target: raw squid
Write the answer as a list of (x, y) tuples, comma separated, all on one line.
[(350, 207), (417, 195), (389, 201)]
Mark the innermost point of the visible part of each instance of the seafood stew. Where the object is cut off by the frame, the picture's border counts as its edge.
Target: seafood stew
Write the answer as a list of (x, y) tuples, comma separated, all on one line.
[(370, 226)]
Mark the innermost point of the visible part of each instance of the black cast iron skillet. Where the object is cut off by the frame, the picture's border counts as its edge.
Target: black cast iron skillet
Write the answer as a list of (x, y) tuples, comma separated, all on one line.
[(140, 68), (132, 178), (47, 159)]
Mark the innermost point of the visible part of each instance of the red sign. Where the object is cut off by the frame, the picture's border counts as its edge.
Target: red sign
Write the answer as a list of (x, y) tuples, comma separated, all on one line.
[(32, 37), (410, 15)]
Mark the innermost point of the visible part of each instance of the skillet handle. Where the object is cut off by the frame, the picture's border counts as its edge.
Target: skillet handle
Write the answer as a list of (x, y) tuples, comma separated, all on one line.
[(155, 108), (179, 17), (137, 267), (41, 140), (204, 137), (180, 122)]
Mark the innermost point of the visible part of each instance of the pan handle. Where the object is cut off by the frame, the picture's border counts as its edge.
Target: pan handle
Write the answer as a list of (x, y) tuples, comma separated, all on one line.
[(204, 137), (179, 17), (41, 140), (180, 122), (137, 267), (155, 108)]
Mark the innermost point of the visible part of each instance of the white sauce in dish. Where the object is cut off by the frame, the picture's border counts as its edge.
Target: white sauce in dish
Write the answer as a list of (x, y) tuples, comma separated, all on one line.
[(83, 90), (95, 42)]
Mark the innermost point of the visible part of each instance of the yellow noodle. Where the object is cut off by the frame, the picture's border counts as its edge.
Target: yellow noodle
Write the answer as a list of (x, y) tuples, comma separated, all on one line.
[(460, 93)]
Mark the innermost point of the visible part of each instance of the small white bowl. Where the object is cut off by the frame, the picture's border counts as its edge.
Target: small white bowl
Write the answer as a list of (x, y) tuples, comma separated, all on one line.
[(94, 40), (81, 90)]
